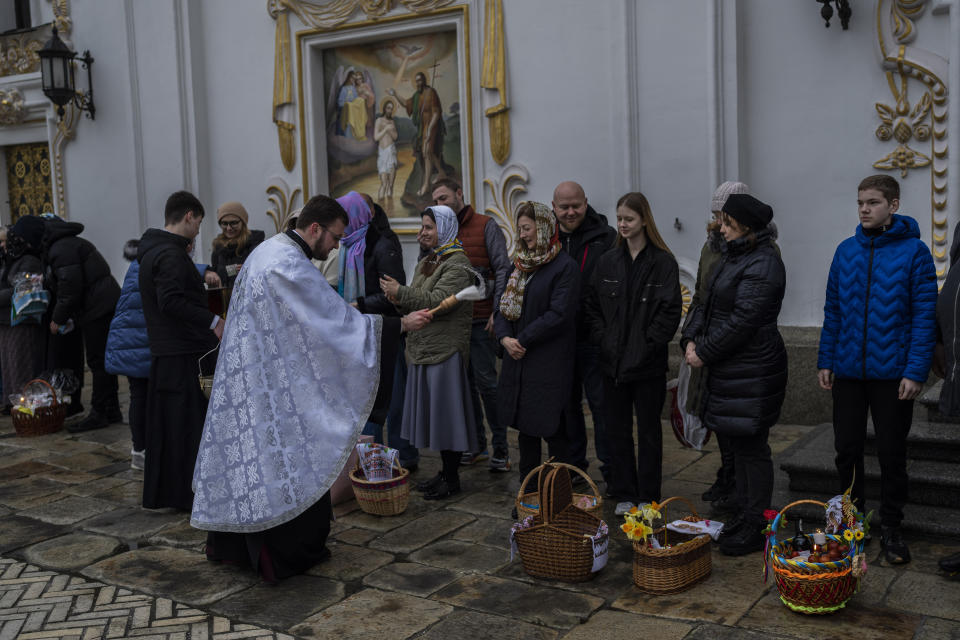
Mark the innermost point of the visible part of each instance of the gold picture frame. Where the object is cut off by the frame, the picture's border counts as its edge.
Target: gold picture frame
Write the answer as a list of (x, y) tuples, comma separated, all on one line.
[(316, 82)]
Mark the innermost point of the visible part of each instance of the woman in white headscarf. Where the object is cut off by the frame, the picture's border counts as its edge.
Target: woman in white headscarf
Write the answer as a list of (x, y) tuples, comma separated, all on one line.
[(437, 411)]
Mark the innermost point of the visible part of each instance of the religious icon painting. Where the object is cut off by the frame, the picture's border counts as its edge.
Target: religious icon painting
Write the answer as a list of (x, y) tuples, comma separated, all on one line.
[(386, 109)]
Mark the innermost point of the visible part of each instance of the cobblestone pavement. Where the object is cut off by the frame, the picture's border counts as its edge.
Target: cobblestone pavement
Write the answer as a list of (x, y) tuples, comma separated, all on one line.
[(80, 559)]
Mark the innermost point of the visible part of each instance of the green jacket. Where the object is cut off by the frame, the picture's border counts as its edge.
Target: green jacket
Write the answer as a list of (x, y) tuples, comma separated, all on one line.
[(448, 332)]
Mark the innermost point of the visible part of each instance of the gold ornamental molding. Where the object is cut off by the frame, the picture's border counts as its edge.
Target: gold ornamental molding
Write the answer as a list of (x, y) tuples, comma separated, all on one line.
[(18, 54), (12, 107), (494, 76), (505, 192), (903, 124), (282, 202), (66, 130), (925, 122)]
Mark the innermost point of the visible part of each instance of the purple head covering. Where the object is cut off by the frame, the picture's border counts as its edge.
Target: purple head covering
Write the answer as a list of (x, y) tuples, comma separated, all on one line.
[(353, 246)]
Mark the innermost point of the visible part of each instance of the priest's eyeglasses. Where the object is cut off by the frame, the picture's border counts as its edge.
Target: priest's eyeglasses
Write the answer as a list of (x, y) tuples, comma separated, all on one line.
[(339, 238)]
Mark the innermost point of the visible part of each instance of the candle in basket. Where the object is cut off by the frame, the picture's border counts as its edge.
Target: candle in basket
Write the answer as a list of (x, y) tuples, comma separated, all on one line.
[(819, 537)]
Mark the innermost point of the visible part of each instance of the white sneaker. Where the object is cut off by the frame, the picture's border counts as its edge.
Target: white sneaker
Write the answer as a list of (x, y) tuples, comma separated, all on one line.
[(137, 458), (623, 507)]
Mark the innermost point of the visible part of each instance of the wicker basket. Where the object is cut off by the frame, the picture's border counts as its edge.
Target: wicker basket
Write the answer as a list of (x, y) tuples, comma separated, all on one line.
[(44, 419), (675, 569), (382, 497), (528, 504), (559, 545), (812, 587)]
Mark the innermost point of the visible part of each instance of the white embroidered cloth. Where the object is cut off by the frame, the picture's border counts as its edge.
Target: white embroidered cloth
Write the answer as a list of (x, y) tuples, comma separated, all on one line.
[(296, 380)]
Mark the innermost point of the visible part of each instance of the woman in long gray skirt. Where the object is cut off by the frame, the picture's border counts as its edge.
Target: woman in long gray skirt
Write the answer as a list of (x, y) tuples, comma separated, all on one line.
[(437, 410)]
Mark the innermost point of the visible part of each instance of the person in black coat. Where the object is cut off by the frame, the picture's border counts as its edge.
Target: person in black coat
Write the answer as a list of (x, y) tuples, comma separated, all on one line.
[(21, 346), (632, 309), (84, 291), (181, 329), (536, 325), (734, 333), (382, 255), (235, 242), (584, 236)]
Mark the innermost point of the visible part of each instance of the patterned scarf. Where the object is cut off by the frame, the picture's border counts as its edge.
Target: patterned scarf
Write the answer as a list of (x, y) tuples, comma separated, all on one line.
[(529, 260), (352, 283), (447, 229)]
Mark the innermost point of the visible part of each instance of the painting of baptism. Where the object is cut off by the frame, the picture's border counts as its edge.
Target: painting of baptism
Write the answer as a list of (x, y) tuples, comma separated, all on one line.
[(393, 122)]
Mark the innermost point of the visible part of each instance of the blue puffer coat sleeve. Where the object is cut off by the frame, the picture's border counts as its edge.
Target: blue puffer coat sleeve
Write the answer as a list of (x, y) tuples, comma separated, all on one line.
[(879, 318), (128, 349)]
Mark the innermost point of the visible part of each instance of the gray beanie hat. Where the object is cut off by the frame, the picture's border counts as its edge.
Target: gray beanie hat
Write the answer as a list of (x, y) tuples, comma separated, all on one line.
[(724, 191)]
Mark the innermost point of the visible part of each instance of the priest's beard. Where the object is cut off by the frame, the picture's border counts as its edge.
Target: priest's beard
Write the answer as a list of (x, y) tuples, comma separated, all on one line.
[(319, 253)]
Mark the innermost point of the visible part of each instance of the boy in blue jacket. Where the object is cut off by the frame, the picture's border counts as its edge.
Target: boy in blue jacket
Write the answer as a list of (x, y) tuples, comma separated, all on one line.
[(876, 346)]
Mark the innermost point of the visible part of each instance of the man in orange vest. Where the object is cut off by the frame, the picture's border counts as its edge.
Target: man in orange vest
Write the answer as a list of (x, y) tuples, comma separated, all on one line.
[(486, 248)]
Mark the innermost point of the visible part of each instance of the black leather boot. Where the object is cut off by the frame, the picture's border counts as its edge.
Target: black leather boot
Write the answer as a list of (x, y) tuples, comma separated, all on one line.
[(746, 539), (895, 550)]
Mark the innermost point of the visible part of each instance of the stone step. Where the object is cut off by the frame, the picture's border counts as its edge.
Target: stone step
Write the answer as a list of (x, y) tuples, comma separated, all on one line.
[(938, 441), (930, 399), (918, 519), (810, 466)]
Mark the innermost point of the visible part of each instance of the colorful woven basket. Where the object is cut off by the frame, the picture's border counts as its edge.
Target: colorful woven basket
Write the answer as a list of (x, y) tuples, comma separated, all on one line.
[(382, 497), (44, 420), (813, 587), (686, 562)]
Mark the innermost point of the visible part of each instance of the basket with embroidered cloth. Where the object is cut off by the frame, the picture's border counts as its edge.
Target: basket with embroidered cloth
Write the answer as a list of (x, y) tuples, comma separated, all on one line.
[(560, 541)]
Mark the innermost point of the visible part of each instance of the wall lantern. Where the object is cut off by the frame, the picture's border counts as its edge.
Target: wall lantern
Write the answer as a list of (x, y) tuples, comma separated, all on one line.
[(57, 66), (843, 10)]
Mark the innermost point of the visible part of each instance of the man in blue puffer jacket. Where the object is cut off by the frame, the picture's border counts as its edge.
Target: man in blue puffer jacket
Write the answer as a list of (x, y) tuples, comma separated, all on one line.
[(876, 346)]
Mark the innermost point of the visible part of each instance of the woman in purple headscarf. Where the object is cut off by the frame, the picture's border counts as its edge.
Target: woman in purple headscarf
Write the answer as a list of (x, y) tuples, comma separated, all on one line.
[(369, 251)]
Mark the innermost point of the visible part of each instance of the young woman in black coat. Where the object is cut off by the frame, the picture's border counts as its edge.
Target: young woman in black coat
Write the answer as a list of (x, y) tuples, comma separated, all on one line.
[(734, 333), (536, 325), (632, 309)]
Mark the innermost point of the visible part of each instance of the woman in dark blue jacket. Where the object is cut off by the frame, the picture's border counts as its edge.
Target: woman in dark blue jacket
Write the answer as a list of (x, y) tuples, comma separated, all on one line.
[(128, 350), (536, 325)]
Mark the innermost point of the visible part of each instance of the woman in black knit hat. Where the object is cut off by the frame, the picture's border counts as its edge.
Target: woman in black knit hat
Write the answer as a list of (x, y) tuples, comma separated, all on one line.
[(734, 333)]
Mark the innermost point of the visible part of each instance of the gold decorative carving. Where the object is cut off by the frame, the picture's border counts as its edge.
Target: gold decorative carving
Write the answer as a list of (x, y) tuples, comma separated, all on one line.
[(686, 297), (28, 179), (61, 19), (902, 123), (494, 77), (12, 107), (900, 16), (326, 15), (282, 201), (283, 86), (18, 54), (66, 129), (505, 191)]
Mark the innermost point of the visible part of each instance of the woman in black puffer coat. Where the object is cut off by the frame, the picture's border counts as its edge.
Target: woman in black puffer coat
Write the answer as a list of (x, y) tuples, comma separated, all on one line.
[(734, 333)]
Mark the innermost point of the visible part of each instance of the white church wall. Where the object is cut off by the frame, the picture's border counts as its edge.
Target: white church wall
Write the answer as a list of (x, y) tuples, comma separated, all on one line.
[(665, 98)]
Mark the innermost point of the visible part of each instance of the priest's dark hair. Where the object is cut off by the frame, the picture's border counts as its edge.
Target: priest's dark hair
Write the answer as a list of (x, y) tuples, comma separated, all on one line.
[(179, 204), (322, 210)]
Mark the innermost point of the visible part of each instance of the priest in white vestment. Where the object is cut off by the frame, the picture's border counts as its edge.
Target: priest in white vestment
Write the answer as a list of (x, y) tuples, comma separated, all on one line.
[(296, 379)]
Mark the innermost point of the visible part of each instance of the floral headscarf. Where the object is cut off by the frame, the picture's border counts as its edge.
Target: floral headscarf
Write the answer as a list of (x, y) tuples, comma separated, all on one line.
[(447, 229), (529, 260), (352, 283)]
